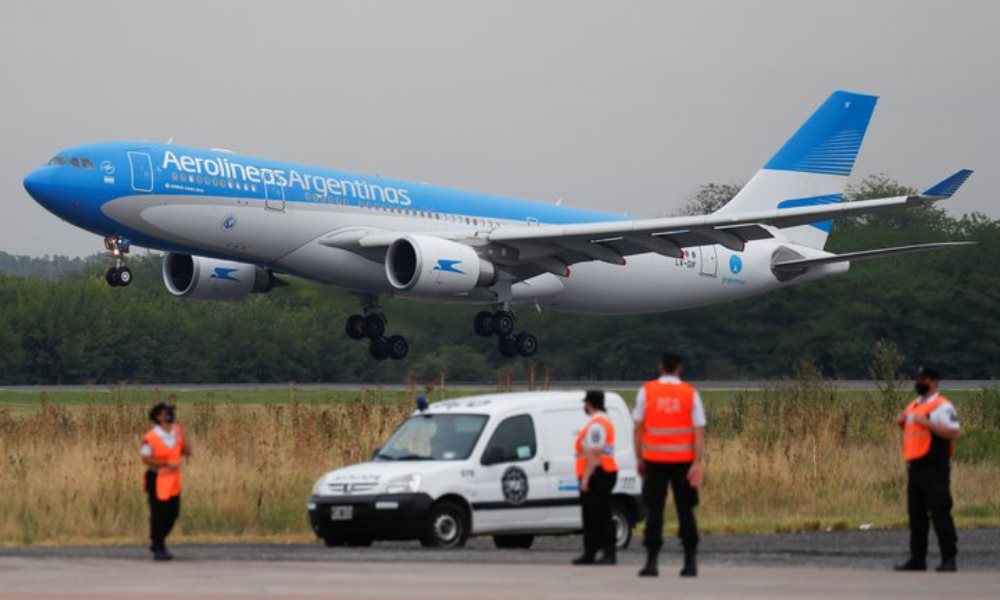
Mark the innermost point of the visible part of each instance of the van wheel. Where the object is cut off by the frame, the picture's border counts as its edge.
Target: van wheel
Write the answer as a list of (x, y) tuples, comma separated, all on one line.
[(333, 541), (513, 541), (621, 520), (447, 526)]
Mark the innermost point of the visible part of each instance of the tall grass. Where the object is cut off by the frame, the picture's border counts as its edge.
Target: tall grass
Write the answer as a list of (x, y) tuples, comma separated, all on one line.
[(797, 456)]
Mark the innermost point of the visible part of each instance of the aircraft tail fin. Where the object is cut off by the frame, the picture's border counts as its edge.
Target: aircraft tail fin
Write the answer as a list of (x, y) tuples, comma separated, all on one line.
[(812, 167)]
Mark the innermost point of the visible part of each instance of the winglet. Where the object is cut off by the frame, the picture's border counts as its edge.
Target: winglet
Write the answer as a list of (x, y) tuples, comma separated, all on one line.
[(948, 187)]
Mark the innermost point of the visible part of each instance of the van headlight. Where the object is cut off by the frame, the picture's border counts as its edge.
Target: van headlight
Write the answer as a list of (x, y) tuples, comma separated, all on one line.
[(407, 484)]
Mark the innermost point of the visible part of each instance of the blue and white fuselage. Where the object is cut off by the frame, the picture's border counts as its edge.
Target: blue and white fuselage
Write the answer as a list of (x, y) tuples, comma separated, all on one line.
[(374, 235)]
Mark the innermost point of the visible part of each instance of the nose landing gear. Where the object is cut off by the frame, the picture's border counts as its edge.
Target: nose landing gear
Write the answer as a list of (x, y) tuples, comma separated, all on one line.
[(371, 325), (118, 275), (501, 324)]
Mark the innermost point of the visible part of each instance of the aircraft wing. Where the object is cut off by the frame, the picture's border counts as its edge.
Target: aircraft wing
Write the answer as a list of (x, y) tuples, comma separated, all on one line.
[(527, 250)]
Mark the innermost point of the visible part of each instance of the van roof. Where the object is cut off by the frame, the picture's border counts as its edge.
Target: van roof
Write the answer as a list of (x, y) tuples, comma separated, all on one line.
[(494, 403)]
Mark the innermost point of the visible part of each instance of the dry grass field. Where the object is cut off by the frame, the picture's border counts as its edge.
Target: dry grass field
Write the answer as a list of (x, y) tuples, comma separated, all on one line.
[(800, 456)]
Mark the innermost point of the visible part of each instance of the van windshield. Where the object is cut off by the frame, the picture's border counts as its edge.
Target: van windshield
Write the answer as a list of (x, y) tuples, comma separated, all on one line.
[(434, 437)]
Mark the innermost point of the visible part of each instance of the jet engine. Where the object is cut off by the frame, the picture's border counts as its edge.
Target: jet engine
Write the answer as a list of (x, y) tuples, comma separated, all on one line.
[(210, 279), (431, 266)]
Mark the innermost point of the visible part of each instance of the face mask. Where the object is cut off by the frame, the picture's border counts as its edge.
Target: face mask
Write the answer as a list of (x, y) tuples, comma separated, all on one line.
[(922, 388)]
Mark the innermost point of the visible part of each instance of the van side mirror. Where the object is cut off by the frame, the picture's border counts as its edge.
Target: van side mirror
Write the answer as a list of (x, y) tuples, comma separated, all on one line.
[(376, 451), (493, 455)]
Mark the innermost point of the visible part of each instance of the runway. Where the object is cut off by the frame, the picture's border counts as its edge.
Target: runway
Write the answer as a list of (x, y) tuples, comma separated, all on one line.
[(113, 579), (811, 565)]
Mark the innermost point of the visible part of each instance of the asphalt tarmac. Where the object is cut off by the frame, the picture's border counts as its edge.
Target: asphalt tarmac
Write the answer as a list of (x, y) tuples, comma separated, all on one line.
[(854, 564)]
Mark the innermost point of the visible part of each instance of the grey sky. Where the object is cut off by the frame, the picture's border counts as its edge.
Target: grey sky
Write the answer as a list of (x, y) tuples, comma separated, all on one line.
[(627, 106)]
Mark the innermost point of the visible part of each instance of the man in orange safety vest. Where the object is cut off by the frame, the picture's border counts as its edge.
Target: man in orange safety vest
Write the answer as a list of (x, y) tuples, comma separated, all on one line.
[(930, 427), (597, 472), (669, 441), (162, 450)]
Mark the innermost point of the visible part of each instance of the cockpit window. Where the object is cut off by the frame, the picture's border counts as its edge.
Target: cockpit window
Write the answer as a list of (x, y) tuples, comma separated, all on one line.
[(75, 161)]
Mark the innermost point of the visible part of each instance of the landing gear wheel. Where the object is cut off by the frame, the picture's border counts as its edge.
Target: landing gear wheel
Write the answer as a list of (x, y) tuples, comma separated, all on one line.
[(483, 323), (397, 347), (374, 325), (526, 344), (503, 322), (379, 349), (447, 526), (111, 276), (124, 276), (355, 327), (508, 346)]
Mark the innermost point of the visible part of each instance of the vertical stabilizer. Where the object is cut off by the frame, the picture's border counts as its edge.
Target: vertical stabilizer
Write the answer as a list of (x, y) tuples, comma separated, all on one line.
[(812, 167)]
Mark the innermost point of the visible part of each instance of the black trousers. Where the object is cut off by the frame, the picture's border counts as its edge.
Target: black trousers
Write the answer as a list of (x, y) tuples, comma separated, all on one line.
[(928, 498), (598, 529), (654, 494), (162, 514)]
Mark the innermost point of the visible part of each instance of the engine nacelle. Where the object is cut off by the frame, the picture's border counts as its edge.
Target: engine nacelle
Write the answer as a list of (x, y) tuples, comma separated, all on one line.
[(430, 266), (202, 278)]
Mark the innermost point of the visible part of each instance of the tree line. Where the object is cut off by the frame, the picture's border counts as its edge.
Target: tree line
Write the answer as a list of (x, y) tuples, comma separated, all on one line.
[(60, 323)]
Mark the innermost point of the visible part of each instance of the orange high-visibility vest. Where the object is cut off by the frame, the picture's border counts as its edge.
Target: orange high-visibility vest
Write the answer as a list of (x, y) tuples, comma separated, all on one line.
[(668, 430), (168, 482), (608, 462), (917, 438)]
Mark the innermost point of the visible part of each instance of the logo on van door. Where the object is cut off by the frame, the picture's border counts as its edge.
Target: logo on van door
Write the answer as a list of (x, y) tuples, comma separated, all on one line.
[(514, 484)]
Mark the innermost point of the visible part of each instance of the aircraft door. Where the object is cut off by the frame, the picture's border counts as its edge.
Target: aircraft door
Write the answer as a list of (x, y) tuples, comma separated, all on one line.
[(274, 196), (142, 171), (709, 261)]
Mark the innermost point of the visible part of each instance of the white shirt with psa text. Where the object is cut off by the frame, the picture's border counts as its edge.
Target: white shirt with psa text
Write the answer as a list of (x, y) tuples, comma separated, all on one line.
[(697, 409)]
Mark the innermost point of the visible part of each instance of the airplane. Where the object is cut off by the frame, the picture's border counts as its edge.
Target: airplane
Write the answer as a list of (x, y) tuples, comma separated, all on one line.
[(231, 224)]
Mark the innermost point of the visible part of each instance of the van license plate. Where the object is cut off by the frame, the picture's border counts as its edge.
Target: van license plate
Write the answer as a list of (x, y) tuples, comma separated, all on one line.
[(341, 513)]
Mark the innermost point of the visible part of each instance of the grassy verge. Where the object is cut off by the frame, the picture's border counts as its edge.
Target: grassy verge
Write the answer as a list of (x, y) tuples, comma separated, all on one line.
[(798, 457)]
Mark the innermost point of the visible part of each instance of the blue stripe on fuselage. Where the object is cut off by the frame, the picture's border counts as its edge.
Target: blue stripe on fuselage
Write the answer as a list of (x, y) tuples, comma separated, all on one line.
[(306, 184)]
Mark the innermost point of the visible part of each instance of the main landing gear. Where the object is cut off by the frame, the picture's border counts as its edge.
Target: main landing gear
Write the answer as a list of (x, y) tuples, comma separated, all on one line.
[(371, 325), (119, 275), (501, 324)]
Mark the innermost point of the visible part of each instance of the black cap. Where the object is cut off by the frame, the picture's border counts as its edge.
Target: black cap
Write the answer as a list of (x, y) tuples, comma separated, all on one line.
[(595, 398), (929, 372)]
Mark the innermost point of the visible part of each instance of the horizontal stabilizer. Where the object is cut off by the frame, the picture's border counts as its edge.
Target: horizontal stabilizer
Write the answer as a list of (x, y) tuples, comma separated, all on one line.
[(948, 187), (800, 264)]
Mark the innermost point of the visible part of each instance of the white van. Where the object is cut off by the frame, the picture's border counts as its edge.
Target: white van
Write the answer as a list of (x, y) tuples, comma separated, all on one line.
[(500, 465)]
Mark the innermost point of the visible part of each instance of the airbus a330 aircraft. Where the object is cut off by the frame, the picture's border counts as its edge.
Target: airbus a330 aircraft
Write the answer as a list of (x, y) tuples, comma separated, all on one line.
[(229, 222)]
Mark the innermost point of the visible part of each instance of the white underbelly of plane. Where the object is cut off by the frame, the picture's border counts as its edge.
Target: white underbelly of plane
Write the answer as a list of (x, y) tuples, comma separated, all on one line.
[(219, 225)]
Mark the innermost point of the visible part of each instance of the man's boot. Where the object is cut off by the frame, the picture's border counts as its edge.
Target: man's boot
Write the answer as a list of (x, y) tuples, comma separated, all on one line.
[(948, 565), (650, 569), (912, 564), (690, 564)]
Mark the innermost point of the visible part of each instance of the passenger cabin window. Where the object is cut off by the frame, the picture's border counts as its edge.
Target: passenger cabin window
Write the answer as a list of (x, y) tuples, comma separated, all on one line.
[(513, 441)]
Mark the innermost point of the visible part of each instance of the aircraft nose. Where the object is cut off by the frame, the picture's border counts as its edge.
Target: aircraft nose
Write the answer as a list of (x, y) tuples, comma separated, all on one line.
[(42, 185), (35, 183)]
